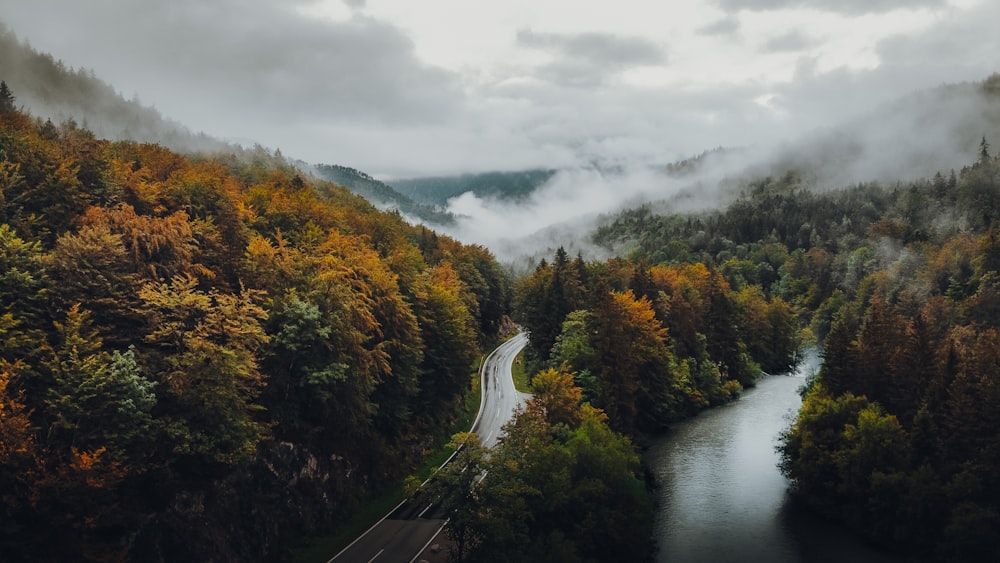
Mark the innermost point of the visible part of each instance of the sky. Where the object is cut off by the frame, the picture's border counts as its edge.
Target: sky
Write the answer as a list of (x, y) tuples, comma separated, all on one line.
[(400, 88)]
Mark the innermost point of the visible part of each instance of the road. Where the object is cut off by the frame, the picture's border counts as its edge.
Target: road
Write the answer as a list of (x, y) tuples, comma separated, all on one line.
[(500, 398), (408, 529)]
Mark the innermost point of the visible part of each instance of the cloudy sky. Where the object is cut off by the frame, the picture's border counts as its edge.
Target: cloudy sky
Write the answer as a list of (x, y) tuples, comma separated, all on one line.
[(403, 88)]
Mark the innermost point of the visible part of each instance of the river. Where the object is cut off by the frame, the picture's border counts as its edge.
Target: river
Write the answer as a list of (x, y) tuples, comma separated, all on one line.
[(721, 496)]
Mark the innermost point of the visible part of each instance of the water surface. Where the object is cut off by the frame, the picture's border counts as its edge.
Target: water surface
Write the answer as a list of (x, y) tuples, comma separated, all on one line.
[(722, 497)]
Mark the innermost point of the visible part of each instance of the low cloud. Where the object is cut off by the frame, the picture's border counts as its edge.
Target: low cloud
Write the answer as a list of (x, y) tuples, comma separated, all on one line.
[(906, 139), (601, 48), (590, 59), (354, 88), (840, 6), (728, 25), (789, 42)]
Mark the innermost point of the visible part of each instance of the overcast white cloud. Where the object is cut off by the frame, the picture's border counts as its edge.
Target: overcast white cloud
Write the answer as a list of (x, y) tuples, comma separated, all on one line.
[(402, 88), (844, 6)]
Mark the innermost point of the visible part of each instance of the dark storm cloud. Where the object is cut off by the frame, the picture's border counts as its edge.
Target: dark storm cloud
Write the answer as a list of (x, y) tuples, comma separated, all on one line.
[(840, 6), (589, 59), (789, 42), (204, 55)]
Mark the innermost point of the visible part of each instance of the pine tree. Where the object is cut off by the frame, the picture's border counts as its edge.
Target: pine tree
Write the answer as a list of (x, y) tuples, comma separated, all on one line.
[(6, 98)]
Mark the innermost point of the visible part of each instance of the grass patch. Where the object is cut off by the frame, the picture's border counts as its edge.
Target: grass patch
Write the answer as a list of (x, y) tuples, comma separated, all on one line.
[(321, 548), (520, 375)]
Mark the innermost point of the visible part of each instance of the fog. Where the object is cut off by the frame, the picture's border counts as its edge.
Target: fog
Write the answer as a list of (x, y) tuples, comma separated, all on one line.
[(914, 137), (607, 93)]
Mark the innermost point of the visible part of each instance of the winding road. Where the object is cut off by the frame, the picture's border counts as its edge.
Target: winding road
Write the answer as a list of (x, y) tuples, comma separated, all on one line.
[(408, 530)]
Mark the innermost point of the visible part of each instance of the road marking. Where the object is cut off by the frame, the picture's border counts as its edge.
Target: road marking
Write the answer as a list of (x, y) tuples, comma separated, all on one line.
[(421, 515), (376, 555)]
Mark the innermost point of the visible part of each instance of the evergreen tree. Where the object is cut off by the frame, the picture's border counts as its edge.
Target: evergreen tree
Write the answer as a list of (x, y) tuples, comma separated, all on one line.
[(6, 98)]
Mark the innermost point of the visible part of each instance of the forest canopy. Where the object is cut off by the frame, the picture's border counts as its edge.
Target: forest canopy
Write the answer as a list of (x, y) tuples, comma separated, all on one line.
[(183, 335)]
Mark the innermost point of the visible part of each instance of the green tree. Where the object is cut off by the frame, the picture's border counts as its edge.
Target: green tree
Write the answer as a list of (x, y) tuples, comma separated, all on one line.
[(209, 371), (6, 98), (635, 383), (454, 485), (97, 399)]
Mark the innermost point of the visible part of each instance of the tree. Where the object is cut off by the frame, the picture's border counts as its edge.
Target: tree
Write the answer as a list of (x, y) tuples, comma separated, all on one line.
[(20, 464), (6, 98), (562, 485), (448, 330), (558, 396), (454, 486), (97, 399), (209, 371), (572, 346), (634, 378), (811, 449)]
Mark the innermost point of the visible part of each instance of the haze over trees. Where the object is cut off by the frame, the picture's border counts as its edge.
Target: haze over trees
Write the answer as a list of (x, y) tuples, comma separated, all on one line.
[(53, 91)]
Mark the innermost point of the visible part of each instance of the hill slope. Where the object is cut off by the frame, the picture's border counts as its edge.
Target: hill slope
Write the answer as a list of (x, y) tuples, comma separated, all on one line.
[(381, 193), (499, 185)]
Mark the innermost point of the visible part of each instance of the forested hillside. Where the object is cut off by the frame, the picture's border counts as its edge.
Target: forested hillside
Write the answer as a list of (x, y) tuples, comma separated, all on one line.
[(201, 355), (897, 283), (53, 91), (382, 194), (499, 185)]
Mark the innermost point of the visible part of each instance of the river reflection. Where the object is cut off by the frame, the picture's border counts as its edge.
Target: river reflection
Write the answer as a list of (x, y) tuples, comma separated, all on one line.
[(722, 497)]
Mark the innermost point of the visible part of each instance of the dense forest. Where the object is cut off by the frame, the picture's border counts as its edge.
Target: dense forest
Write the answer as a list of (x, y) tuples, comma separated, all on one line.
[(201, 354), (898, 285), (652, 344)]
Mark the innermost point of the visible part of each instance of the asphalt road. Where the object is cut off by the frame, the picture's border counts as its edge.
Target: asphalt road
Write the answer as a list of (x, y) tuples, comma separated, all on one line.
[(500, 398), (411, 527)]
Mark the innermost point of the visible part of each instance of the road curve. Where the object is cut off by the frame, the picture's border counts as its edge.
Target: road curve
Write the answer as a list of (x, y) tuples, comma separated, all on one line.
[(404, 533), (500, 398)]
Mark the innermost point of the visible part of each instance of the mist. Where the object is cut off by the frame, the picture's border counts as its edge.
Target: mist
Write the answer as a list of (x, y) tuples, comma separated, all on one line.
[(936, 130)]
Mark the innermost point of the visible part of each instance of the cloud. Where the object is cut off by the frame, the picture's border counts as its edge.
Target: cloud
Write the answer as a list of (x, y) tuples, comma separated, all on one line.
[(839, 6), (728, 25), (789, 42), (603, 48), (955, 45), (590, 59), (246, 68), (350, 82)]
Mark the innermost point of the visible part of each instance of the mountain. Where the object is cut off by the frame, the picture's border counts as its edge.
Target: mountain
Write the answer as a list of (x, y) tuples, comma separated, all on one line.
[(50, 90), (381, 194), (498, 185)]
